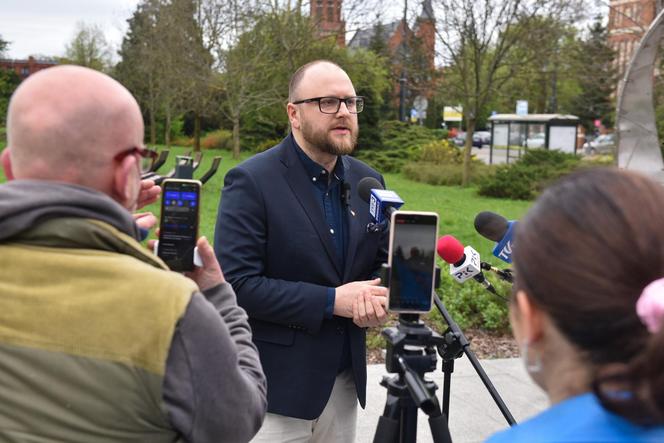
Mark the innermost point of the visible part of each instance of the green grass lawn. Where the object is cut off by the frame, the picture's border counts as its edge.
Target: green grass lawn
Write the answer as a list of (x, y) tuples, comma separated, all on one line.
[(456, 207)]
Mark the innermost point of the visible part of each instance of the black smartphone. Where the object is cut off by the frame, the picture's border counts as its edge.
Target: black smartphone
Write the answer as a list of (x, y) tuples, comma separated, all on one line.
[(178, 230), (412, 261)]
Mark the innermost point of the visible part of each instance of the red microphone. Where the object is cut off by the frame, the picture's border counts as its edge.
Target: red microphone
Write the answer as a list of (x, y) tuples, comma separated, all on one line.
[(450, 250), (464, 262)]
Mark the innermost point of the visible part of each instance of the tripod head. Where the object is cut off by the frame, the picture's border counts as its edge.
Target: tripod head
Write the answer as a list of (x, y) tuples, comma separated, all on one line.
[(413, 341)]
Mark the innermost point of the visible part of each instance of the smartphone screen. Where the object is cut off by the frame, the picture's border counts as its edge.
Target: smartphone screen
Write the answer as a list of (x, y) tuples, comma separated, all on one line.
[(412, 261), (178, 230)]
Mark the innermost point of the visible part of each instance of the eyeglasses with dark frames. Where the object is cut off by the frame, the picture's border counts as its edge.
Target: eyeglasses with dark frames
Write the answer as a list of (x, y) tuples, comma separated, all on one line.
[(331, 105), (148, 157)]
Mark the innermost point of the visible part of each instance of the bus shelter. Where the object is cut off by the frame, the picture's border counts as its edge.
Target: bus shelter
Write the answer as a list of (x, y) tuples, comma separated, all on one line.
[(514, 134)]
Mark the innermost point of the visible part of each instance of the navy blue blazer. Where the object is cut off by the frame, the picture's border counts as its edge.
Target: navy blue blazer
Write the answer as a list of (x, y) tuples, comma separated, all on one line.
[(275, 249)]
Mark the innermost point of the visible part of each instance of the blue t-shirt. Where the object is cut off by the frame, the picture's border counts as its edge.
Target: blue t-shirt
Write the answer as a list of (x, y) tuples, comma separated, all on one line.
[(579, 419)]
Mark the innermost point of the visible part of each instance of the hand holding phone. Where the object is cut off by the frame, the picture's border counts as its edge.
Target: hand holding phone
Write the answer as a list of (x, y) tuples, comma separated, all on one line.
[(178, 230)]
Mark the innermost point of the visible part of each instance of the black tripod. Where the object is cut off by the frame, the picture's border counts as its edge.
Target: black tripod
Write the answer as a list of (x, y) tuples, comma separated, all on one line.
[(408, 391)]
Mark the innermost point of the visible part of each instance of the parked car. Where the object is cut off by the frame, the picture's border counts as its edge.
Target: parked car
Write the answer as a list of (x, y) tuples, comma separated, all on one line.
[(536, 141), (480, 139), (604, 144)]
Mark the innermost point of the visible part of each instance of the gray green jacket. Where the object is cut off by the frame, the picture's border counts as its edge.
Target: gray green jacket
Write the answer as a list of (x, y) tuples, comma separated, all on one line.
[(100, 342)]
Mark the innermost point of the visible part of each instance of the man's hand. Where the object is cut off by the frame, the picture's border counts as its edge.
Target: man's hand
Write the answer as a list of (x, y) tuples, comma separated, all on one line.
[(149, 193), (369, 311), (145, 220), (209, 275), (352, 292)]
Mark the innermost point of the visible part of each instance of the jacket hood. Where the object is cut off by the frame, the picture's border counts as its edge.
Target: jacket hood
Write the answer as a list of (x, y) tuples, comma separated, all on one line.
[(26, 203)]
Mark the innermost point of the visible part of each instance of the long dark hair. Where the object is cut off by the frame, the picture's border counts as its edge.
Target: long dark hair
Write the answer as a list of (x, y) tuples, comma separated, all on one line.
[(584, 253)]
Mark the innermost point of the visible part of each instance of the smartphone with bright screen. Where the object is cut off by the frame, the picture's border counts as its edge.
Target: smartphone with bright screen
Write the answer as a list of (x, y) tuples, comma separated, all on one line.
[(412, 261), (178, 230)]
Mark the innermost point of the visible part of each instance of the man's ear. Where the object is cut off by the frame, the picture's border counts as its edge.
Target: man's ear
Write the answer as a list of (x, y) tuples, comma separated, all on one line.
[(530, 318), (293, 115), (122, 176), (7, 164)]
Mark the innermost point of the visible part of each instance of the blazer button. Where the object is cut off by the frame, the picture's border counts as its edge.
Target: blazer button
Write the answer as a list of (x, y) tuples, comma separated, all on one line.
[(340, 330)]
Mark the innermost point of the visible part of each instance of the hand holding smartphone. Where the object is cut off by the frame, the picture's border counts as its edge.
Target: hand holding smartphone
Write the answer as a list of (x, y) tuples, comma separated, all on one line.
[(178, 230)]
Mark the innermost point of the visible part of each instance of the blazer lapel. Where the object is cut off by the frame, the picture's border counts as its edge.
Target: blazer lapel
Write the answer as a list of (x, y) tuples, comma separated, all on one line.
[(355, 228), (300, 184)]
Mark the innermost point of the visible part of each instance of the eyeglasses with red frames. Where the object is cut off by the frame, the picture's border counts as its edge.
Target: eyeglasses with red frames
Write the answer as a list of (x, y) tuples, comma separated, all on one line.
[(148, 157)]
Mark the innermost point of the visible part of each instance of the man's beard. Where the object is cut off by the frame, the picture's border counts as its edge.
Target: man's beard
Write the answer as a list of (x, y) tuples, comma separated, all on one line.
[(322, 140)]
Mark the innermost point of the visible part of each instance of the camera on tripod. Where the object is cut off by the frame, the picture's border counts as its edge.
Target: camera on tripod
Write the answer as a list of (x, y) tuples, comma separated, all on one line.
[(412, 276)]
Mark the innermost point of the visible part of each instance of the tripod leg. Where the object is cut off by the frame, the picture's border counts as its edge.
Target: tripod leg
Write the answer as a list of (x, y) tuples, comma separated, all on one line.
[(388, 429), (439, 430), (448, 368), (409, 424)]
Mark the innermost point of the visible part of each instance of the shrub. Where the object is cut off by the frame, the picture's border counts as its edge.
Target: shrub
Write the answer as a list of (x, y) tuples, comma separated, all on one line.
[(402, 142), (267, 144), (526, 178), (440, 152), (387, 161), (184, 141), (219, 139), (399, 135), (441, 163), (444, 174)]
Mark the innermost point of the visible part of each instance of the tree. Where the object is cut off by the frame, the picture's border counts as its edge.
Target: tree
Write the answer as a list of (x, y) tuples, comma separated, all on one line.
[(548, 80), (137, 68), (164, 62), (597, 77), (256, 70), (88, 48), (477, 39), (9, 81), (3, 47)]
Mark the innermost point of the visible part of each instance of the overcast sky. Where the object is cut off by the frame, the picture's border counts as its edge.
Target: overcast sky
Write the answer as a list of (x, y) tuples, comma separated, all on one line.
[(46, 26)]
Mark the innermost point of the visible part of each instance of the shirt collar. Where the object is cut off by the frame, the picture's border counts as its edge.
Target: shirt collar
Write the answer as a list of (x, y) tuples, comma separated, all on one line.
[(314, 170)]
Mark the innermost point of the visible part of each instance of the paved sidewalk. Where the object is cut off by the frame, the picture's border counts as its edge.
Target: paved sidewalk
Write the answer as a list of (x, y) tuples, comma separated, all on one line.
[(473, 414)]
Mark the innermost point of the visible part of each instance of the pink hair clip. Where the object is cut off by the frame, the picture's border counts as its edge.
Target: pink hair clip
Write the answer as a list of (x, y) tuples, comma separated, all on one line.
[(650, 306)]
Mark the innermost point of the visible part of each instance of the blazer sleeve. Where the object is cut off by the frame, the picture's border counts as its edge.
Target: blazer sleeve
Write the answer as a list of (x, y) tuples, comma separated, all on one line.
[(240, 244)]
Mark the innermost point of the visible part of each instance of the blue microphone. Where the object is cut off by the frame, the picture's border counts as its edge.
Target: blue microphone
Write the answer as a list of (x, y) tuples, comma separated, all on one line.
[(498, 229), (382, 202)]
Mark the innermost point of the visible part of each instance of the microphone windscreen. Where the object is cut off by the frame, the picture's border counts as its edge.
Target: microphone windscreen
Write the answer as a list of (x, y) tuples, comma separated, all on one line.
[(450, 249), (491, 225), (365, 186)]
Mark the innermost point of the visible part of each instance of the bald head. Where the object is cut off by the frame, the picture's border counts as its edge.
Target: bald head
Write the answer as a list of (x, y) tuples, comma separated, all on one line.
[(67, 123), (310, 71)]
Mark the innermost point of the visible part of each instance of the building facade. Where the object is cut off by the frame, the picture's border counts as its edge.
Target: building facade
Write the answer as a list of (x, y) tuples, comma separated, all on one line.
[(25, 68), (327, 17), (628, 22)]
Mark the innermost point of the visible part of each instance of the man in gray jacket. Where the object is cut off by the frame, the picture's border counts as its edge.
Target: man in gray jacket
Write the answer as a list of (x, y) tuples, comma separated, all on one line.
[(99, 341)]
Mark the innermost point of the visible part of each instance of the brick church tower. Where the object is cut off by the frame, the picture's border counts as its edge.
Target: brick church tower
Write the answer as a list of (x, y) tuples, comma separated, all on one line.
[(327, 19)]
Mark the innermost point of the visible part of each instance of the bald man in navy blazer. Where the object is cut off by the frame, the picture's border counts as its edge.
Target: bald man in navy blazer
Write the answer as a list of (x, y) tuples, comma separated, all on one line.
[(292, 239)]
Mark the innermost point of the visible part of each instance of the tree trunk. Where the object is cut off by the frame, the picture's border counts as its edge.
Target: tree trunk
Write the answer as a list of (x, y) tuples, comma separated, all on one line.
[(167, 128), (236, 136), (153, 127), (470, 128), (197, 132)]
